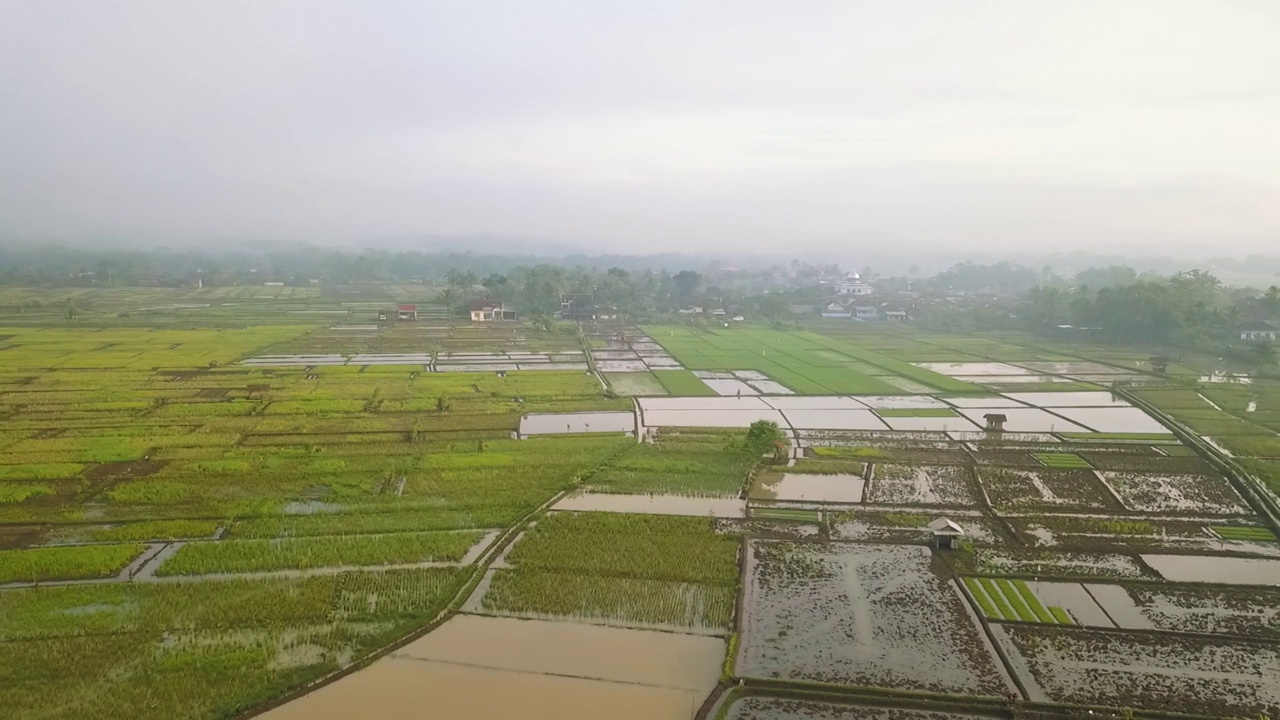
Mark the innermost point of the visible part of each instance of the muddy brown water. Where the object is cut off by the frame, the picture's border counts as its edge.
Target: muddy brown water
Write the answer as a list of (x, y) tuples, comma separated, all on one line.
[(811, 488), (123, 470), (483, 667)]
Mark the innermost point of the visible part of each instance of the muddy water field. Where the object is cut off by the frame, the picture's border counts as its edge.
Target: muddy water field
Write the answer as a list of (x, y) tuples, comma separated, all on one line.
[(1177, 494), (758, 708), (877, 615), (945, 485), (1203, 675)]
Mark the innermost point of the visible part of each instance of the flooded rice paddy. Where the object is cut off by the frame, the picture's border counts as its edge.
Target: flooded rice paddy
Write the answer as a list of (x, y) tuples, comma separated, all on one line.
[(974, 369), (1211, 569), (740, 404), (741, 382), (586, 422), (1032, 563), (874, 615), (810, 488), (920, 485), (1184, 494), (654, 505), (1069, 399), (991, 401), (930, 424), (760, 708), (1114, 420), (834, 420), (1210, 676), (1025, 420), (481, 667)]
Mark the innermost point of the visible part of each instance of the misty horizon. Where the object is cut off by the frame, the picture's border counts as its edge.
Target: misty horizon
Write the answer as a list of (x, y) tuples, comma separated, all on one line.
[(1136, 127)]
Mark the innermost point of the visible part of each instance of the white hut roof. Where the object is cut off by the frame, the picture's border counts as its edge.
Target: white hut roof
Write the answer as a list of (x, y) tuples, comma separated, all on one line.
[(945, 527)]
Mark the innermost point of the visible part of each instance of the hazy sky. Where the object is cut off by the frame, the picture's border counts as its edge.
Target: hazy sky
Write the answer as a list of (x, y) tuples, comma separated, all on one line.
[(784, 126)]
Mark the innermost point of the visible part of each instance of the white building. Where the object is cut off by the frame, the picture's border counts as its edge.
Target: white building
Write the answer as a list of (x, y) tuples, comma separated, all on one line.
[(852, 284)]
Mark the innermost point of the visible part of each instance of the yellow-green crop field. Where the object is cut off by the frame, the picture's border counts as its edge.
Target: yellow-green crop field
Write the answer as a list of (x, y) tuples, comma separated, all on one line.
[(182, 536)]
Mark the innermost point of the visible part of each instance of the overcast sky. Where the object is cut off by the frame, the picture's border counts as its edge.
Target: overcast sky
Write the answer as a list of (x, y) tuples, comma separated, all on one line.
[(774, 126)]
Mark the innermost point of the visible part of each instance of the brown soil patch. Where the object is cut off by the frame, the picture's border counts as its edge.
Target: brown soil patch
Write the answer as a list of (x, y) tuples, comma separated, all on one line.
[(124, 470), (20, 536), (212, 393)]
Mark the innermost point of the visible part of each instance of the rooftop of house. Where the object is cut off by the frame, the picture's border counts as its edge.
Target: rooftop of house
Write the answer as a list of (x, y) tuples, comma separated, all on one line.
[(944, 526), (1260, 326), (482, 304)]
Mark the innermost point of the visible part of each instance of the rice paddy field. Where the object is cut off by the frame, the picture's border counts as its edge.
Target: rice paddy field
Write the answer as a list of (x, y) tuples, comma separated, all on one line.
[(212, 501)]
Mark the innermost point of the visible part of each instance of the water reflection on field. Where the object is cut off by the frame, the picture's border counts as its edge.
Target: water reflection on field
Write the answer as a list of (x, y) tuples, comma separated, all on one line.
[(483, 667)]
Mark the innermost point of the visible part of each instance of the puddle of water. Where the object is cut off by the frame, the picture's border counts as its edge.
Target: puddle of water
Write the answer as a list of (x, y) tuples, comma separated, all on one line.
[(1210, 569), (98, 608), (555, 423), (1216, 446), (812, 488), (655, 505)]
